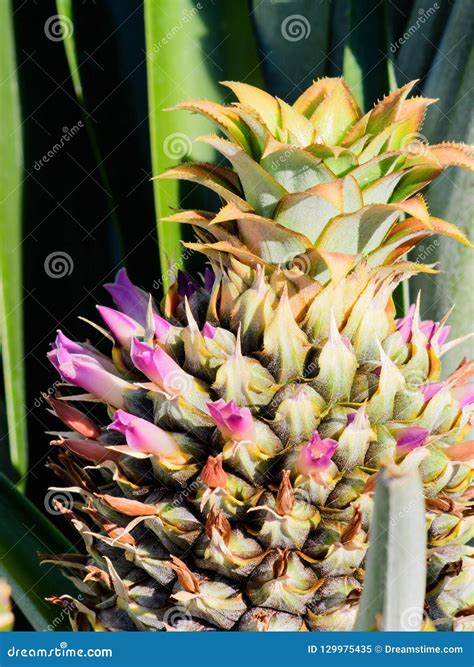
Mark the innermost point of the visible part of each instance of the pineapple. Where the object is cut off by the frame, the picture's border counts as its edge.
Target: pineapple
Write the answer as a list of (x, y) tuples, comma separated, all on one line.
[(229, 484)]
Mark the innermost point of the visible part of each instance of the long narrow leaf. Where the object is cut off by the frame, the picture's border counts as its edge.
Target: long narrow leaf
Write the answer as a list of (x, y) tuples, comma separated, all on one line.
[(11, 309), (394, 584), (448, 69), (451, 79), (188, 47), (367, 68), (67, 26), (295, 37), (415, 46), (24, 532)]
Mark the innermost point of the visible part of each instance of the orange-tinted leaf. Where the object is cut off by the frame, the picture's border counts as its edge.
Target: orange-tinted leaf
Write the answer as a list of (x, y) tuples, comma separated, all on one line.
[(264, 104), (312, 97), (335, 115), (223, 116), (216, 250), (221, 180), (411, 114), (459, 155), (298, 128)]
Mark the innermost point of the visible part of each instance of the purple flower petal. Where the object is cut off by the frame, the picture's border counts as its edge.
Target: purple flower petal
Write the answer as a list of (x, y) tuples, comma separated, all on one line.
[(315, 457), (209, 279), (431, 389), (128, 298), (144, 436), (122, 327), (83, 371), (162, 327), (208, 331), (187, 286), (233, 422), (63, 342), (404, 325), (160, 368), (411, 437)]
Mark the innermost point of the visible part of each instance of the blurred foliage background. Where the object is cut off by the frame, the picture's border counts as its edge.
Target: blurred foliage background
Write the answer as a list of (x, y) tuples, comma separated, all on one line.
[(94, 77)]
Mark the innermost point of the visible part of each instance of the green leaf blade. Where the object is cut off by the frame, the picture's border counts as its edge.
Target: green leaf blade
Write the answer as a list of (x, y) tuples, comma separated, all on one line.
[(11, 279), (189, 46), (24, 532), (394, 586)]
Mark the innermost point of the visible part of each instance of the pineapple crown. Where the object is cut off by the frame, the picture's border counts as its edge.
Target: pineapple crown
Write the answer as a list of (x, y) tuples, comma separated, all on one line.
[(317, 184)]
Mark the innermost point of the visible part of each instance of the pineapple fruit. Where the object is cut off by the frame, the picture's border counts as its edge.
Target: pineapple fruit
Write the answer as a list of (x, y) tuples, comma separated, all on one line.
[(230, 483)]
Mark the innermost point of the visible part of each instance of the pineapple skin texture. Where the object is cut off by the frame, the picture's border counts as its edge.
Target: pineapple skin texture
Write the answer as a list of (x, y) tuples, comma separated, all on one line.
[(230, 484)]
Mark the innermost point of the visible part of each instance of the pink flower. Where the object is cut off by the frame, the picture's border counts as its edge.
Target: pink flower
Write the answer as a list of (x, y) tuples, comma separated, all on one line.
[(144, 436), (122, 327), (86, 372), (160, 368), (427, 327), (430, 329), (315, 457), (234, 423), (404, 324), (208, 331), (128, 298), (463, 393), (411, 437), (430, 389), (162, 327), (63, 342)]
